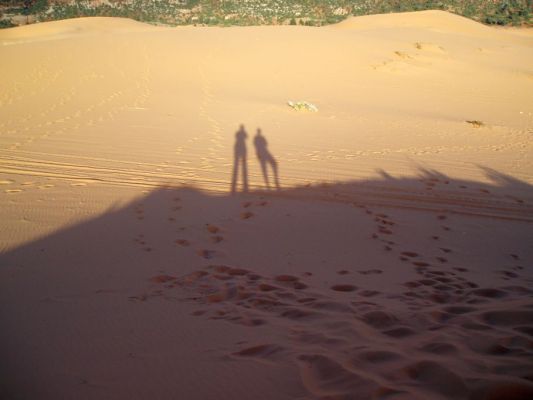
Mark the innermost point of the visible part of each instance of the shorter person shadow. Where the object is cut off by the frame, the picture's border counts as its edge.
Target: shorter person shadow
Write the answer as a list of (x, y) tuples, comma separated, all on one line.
[(266, 159), (240, 161)]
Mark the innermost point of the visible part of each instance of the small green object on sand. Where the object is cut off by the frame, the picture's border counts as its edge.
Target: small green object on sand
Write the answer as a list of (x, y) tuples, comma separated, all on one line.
[(302, 106)]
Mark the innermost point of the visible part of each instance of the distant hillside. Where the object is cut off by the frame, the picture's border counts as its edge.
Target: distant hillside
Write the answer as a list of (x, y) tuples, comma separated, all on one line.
[(256, 12)]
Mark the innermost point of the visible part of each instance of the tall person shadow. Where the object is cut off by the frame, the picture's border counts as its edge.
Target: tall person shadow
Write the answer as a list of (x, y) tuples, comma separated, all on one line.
[(265, 159), (239, 160)]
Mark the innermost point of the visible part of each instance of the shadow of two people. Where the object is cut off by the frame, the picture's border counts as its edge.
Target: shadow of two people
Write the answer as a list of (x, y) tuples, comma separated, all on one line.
[(263, 155)]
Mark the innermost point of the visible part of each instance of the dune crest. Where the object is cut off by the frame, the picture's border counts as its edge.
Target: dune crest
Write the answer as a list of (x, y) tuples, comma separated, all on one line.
[(72, 27), (432, 20)]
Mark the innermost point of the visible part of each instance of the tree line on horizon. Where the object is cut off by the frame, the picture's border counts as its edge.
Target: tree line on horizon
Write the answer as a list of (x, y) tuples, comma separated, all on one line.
[(260, 12)]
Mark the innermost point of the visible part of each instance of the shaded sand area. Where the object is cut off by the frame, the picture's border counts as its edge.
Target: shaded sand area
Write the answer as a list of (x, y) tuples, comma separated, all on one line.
[(395, 261)]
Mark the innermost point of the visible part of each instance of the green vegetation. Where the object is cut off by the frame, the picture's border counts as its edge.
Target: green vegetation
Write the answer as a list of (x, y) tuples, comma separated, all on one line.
[(476, 123), (266, 12), (5, 23)]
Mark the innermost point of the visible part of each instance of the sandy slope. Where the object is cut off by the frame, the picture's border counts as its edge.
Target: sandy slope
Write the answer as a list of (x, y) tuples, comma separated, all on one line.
[(121, 103), (394, 263)]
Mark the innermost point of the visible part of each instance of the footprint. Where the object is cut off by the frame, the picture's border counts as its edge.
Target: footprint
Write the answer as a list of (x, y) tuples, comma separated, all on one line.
[(247, 215), (492, 293), (343, 272), (212, 228), (437, 378), (429, 47), (326, 378), (260, 351), (379, 319), (371, 272), (420, 264), (265, 287), (344, 288), (377, 356), (402, 54), (399, 332), (440, 348), (207, 254), (10, 191), (163, 279), (460, 269), (286, 278), (216, 239), (508, 318)]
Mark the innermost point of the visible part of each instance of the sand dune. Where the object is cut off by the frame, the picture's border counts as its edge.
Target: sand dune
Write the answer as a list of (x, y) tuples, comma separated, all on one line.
[(393, 263)]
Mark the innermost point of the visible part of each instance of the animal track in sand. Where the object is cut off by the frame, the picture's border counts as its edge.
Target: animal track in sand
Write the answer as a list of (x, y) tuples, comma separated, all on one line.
[(12, 191)]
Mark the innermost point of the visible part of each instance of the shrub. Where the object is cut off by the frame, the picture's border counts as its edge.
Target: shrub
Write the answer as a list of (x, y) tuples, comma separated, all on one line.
[(6, 23)]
